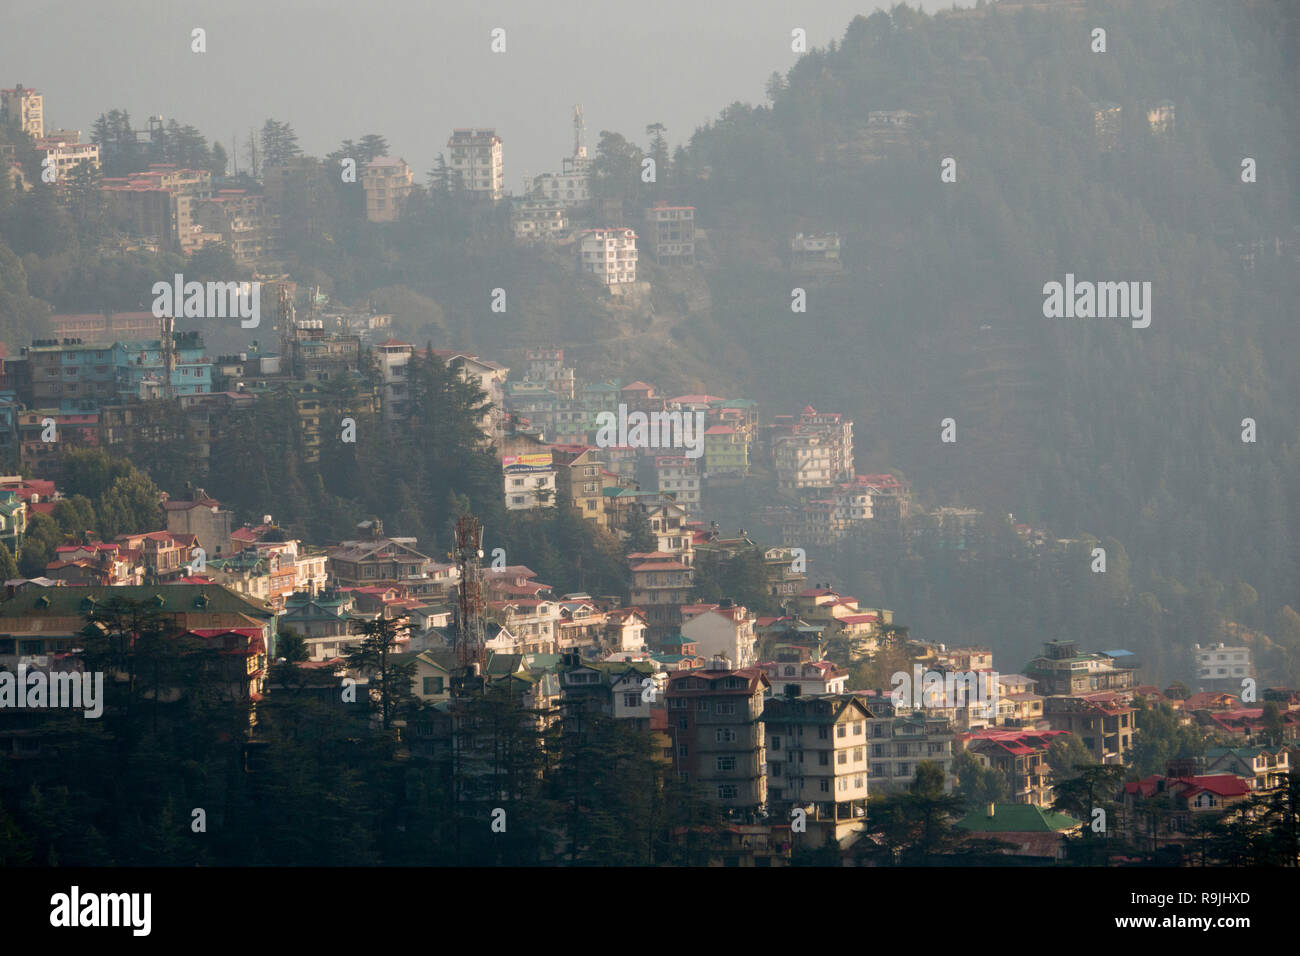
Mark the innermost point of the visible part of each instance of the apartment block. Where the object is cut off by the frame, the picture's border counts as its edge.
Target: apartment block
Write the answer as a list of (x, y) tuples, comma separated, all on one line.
[(386, 182), (715, 723), (609, 255), (817, 760), (24, 108), (670, 234), (1220, 667), (476, 160)]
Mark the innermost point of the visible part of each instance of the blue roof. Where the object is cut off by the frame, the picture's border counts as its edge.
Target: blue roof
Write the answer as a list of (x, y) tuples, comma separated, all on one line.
[(1119, 653)]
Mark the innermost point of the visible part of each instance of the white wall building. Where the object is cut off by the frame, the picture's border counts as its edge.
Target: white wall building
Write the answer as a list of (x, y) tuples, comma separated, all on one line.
[(608, 254), (725, 629), (476, 157)]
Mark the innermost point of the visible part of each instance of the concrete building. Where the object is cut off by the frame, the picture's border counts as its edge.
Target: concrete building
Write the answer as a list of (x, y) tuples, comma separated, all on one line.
[(538, 219), (817, 761), (609, 255), (160, 205), (386, 182), (24, 108), (1222, 668), (476, 160), (714, 721), (670, 234), (65, 155), (204, 518)]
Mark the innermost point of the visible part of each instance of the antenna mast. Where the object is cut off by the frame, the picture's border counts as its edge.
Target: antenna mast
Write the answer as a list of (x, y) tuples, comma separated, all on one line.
[(469, 606)]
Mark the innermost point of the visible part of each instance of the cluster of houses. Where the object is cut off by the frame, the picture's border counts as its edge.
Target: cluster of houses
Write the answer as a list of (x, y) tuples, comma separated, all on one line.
[(758, 711)]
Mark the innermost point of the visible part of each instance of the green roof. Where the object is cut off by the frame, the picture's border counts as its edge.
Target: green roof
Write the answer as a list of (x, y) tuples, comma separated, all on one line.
[(1017, 818), (170, 598)]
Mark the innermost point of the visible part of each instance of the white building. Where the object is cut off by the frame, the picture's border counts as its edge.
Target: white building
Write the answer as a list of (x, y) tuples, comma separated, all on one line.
[(724, 629), (529, 481), (679, 476), (476, 159), (1220, 667), (608, 254)]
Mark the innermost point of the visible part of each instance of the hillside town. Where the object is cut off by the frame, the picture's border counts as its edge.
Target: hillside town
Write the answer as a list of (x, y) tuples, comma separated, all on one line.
[(799, 723)]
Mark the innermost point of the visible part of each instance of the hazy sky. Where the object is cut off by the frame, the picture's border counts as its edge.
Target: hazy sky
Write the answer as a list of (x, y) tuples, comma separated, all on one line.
[(411, 70)]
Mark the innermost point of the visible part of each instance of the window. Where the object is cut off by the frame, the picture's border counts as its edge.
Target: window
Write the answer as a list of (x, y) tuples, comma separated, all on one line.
[(842, 757), (725, 735), (841, 730), (632, 700), (677, 703), (857, 728), (433, 685), (683, 750), (858, 754), (726, 707), (683, 723), (727, 791), (823, 758), (702, 706), (825, 785), (776, 742), (726, 763), (823, 733)]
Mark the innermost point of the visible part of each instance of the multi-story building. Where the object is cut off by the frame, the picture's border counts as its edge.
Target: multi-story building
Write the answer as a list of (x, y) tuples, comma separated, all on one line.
[(160, 205), (785, 573), (24, 108), (324, 621), (660, 586), (609, 255), (670, 234), (898, 744), (241, 220), (104, 328), (476, 161), (534, 218), (65, 155), (726, 452), (817, 758), (202, 517), (1220, 667), (814, 451), (1063, 669), (579, 478), (725, 629), (380, 560), (529, 481), (386, 182), (163, 555), (794, 673), (1101, 720), (715, 723), (1021, 757), (679, 477)]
